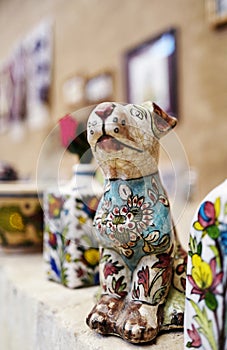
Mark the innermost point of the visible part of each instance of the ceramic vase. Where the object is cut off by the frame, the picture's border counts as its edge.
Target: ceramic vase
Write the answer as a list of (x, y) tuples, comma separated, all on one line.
[(206, 286), (21, 218), (71, 252)]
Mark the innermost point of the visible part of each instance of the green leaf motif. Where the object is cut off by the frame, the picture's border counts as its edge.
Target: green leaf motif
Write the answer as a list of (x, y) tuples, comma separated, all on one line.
[(213, 231), (195, 248), (158, 295), (189, 344), (105, 258), (216, 254), (122, 287), (199, 249), (64, 276), (114, 283), (211, 301), (205, 325)]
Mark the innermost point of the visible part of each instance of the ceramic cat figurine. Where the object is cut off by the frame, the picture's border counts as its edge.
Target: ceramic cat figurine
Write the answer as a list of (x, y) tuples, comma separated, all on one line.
[(142, 264)]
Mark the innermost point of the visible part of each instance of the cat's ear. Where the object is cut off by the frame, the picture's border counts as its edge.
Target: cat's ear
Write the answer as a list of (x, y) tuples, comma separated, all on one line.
[(161, 122)]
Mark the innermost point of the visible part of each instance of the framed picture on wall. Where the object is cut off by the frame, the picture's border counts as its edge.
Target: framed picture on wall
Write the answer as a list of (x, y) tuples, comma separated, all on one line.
[(151, 72), (73, 91), (217, 12), (99, 88)]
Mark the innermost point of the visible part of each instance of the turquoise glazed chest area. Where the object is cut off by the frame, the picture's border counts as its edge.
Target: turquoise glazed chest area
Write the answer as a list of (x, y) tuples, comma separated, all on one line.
[(134, 217)]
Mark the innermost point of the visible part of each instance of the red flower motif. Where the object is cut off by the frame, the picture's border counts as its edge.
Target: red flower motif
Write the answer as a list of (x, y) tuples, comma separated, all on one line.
[(143, 278), (136, 292), (80, 272), (119, 287), (111, 268), (195, 337), (52, 240), (206, 216), (165, 263)]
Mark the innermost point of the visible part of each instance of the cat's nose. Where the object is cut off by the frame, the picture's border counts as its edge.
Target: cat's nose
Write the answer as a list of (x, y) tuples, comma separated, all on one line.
[(105, 110)]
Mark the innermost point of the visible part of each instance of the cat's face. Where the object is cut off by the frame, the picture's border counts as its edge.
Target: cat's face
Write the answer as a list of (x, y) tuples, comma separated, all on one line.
[(127, 132)]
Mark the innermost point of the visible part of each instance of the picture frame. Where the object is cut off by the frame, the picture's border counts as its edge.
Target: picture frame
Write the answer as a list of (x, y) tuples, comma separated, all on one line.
[(99, 88), (151, 72), (217, 12), (73, 91)]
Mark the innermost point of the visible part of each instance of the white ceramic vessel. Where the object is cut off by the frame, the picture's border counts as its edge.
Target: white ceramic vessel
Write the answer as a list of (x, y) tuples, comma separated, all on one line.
[(206, 284), (71, 252)]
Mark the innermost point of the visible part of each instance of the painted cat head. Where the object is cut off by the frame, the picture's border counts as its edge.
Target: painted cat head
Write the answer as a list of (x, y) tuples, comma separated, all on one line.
[(124, 138)]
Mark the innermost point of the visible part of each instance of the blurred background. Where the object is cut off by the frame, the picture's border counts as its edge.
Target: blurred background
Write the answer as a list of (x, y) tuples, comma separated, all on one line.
[(57, 56)]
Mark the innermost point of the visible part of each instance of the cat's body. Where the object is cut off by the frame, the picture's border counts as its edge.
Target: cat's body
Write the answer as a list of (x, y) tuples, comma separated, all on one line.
[(139, 250)]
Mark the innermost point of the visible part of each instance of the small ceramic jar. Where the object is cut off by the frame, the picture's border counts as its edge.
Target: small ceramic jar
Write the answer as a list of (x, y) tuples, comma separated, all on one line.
[(71, 252), (21, 217)]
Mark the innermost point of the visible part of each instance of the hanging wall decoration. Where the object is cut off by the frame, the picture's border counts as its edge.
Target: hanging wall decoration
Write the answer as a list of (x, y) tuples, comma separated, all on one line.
[(6, 93), (73, 91), (99, 88), (151, 72), (25, 82), (217, 12), (17, 111), (38, 71)]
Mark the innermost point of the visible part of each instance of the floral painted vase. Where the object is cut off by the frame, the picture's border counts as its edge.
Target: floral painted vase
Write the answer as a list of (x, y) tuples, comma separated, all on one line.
[(142, 266), (71, 252), (21, 218), (206, 286)]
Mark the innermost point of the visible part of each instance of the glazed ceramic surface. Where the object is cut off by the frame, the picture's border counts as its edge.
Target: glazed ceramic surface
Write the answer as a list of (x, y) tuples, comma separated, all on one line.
[(206, 292), (71, 252), (142, 264), (21, 217)]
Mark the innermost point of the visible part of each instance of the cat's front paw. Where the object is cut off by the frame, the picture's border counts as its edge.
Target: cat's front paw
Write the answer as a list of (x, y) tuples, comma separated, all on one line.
[(139, 322), (105, 313)]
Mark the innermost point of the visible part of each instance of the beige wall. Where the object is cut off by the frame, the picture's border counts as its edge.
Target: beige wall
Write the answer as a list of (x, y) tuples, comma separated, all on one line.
[(91, 35)]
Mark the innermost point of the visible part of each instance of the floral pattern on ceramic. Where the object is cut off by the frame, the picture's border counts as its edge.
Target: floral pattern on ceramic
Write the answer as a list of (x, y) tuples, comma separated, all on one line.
[(71, 252), (206, 292), (142, 266), (21, 220)]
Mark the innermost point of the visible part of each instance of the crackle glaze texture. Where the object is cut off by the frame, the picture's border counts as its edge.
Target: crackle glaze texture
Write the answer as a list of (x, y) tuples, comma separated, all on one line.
[(142, 266), (206, 285)]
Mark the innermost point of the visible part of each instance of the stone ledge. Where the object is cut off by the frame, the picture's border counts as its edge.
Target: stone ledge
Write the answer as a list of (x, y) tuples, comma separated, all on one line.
[(37, 314)]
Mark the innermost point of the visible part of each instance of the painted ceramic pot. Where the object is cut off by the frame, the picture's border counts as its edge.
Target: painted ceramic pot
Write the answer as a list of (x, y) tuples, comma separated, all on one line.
[(142, 267), (21, 218), (206, 286), (71, 251)]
